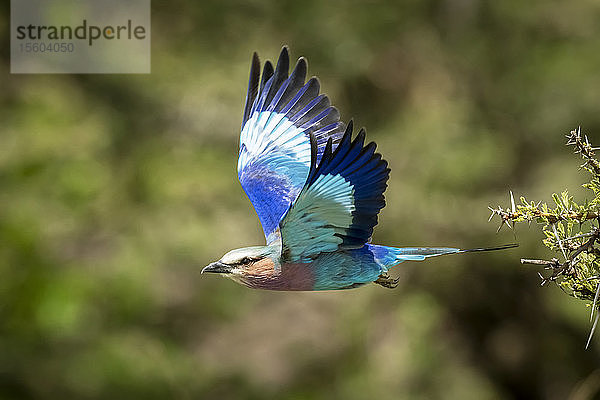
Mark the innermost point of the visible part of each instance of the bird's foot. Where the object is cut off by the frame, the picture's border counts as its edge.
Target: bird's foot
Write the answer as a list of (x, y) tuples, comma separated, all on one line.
[(387, 281)]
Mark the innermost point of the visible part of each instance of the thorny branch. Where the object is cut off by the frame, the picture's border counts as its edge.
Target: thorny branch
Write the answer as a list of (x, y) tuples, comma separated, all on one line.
[(572, 230)]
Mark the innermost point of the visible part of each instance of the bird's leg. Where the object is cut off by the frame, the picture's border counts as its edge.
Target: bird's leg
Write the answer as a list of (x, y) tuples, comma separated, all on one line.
[(387, 281)]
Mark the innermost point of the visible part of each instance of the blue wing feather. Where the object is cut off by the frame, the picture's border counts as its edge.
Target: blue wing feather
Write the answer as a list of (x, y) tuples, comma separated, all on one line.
[(338, 206), (368, 174), (280, 115)]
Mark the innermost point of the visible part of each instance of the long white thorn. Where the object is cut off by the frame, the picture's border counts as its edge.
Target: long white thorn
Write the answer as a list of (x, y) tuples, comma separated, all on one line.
[(512, 202), (592, 331)]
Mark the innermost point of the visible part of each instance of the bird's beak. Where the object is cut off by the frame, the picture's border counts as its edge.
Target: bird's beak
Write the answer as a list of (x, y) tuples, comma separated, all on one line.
[(217, 268)]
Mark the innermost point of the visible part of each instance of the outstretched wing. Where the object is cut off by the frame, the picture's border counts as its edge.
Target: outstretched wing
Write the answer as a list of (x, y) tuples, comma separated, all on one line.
[(338, 206), (279, 119)]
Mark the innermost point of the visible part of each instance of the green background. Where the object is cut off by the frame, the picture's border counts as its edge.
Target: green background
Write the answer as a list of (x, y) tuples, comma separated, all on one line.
[(116, 189)]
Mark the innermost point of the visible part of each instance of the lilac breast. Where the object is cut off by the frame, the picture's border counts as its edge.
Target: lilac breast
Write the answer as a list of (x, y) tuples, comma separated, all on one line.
[(288, 277)]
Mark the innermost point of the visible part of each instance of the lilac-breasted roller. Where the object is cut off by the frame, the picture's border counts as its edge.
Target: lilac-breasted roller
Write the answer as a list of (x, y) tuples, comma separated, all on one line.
[(316, 189)]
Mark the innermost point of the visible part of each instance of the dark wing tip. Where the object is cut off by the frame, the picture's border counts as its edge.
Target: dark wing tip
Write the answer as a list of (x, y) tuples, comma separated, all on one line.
[(252, 87), (349, 127), (300, 69), (285, 51), (316, 82), (266, 75), (255, 66), (360, 138), (283, 63), (347, 137), (302, 60), (329, 147)]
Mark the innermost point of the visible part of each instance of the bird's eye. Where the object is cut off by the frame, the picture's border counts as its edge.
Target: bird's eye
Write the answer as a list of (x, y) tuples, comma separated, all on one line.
[(245, 260)]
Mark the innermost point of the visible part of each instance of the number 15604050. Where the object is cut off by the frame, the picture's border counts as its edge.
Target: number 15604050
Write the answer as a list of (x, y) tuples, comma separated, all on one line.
[(37, 47)]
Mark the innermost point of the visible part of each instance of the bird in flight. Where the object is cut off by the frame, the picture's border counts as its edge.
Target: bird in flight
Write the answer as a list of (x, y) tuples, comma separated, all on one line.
[(317, 191)]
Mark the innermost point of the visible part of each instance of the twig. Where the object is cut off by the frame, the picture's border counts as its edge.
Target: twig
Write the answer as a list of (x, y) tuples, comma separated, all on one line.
[(553, 263), (592, 331)]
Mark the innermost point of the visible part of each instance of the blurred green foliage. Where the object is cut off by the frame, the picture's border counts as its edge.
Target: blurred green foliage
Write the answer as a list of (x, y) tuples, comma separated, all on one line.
[(116, 189)]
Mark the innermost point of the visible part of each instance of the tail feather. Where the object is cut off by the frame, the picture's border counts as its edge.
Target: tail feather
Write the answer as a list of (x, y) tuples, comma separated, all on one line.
[(390, 256), (503, 247), (421, 253)]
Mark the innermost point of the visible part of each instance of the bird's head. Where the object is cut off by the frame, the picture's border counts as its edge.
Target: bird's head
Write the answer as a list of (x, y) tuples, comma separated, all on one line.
[(238, 261)]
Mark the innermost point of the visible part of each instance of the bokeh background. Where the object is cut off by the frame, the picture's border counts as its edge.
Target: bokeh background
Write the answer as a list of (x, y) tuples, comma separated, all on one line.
[(115, 190)]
